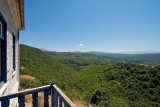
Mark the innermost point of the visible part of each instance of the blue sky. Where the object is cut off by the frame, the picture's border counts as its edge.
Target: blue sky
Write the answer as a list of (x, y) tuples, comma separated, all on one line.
[(92, 25)]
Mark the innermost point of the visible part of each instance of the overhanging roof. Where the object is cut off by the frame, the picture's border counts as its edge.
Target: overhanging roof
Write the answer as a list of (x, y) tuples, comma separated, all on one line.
[(21, 10)]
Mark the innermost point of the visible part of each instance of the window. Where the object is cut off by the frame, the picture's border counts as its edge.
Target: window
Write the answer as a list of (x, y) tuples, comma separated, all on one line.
[(14, 52), (0, 60), (1, 39), (3, 49), (0, 28)]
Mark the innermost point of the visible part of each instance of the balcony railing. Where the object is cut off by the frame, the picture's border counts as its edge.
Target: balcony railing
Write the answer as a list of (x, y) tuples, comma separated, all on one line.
[(58, 98)]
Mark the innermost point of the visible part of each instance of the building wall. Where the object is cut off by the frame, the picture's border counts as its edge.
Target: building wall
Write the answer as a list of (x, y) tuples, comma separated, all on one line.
[(12, 84)]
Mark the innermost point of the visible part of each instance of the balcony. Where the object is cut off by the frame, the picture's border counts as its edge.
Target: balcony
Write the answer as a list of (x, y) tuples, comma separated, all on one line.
[(58, 98)]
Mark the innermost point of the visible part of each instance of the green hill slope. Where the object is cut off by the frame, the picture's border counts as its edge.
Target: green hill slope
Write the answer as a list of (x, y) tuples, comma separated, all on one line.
[(148, 59), (78, 60), (118, 85), (106, 84), (42, 67)]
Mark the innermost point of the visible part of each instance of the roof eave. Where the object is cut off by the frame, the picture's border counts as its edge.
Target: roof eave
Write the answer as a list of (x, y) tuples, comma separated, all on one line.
[(21, 9)]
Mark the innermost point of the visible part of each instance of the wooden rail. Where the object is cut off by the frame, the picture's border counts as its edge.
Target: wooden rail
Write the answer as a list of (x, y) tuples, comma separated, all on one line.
[(58, 98)]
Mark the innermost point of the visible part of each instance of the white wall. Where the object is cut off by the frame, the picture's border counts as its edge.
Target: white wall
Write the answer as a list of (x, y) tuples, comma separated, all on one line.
[(12, 76)]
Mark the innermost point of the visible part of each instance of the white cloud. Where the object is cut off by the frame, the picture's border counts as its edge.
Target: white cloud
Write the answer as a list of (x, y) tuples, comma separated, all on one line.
[(80, 45)]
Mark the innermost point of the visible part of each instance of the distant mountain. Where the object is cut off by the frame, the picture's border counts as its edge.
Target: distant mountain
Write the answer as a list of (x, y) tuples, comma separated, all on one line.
[(114, 55), (146, 58), (141, 52)]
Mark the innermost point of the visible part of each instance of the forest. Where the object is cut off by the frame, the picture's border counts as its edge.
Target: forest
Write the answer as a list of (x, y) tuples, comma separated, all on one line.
[(95, 80)]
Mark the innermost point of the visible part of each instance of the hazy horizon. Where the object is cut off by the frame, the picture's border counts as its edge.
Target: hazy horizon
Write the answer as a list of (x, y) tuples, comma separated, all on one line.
[(125, 52)]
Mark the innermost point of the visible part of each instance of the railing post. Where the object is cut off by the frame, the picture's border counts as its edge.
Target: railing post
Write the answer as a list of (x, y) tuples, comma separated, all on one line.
[(21, 101), (5, 103), (60, 101), (35, 99), (52, 94), (55, 98), (46, 103)]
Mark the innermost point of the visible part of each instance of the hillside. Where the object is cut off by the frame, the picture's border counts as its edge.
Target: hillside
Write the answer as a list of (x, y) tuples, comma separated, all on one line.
[(106, 84), (78, 60), (118, 85), (147, 58), (42, 67)]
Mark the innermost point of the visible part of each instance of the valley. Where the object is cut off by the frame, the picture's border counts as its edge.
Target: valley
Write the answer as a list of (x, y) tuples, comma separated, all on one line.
[(97, 80)]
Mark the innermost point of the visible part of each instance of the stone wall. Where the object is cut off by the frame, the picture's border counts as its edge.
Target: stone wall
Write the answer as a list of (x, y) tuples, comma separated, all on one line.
[(12, 84)]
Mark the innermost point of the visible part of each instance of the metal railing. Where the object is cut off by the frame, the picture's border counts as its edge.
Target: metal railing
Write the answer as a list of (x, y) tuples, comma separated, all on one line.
[(58, 98)]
